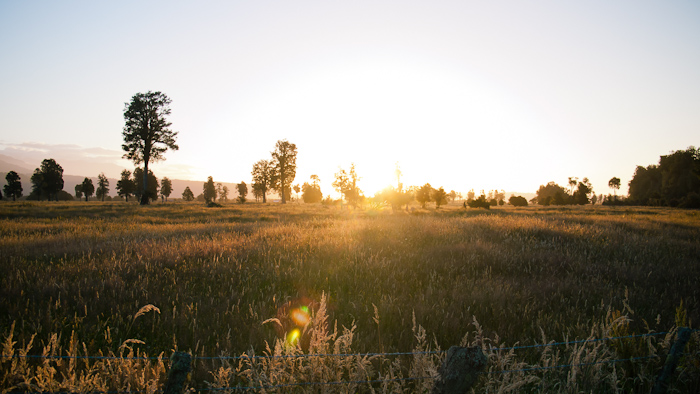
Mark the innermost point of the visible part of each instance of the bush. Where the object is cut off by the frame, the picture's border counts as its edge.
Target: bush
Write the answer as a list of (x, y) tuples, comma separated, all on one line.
[(517, 201)]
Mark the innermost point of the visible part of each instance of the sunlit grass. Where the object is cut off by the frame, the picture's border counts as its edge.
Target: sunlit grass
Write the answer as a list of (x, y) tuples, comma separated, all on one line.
[(79, 270)]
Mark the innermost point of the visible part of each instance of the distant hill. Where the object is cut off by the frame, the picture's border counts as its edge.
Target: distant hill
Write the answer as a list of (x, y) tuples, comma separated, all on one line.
[(8, 164)]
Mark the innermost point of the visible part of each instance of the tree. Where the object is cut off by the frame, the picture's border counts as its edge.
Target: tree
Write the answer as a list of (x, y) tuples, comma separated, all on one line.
[(258, 192), (424, 194), (614, 183), (470, 195), (151, 191), (480, 202), (242, 192), (147, 134), (440, 197), (87, 188), (47, 180), (296, 189), (262, 173), (209, 191), (582, 194), (102, 186), (223, 194), (126, 185), (166, 187), (551, 194), (79, 191), (517, 201), (187, 195), (346, 184), (311, 193), (453, 195), (645, 186), (13, 188), (284, 160)]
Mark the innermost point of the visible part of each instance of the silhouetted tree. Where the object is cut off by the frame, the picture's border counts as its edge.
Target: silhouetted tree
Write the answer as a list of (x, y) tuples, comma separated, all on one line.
[(242, 192), (346, 184), (102, 186), (480, 202), (87, 188), (258, 192), (424, 194), (572, 184), (13, 188), (583, 192), (151, 191), (284, 161), (552, 194), (614, 183), (187, 195), (47, 180), (209, 191), (680, 175), (147, 134), (262, 173), (166, 188), (79, 191), (126, 185), (517, 201), (440, 197), (453, 195), (645, 186)]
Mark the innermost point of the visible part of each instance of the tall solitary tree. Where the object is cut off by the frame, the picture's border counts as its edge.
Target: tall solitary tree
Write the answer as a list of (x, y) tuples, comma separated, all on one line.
[(284, 160), (262, 173), (102, 186), (147, 134), (13, 188), (126, 185)]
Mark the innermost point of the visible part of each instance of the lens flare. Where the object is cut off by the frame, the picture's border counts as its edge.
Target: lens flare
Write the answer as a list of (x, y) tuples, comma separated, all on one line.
[(293, 336), (300, 316)]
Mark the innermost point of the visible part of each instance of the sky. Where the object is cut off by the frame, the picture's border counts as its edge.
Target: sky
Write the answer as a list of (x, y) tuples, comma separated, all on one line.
[(461, 94)]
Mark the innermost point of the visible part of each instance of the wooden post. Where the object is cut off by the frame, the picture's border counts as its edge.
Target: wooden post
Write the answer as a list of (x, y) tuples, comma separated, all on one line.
[(179, 368), (661, 385), (460, 370)]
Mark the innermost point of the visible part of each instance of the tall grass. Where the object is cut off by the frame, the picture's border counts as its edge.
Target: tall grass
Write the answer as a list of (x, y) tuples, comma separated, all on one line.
[(397, 282)]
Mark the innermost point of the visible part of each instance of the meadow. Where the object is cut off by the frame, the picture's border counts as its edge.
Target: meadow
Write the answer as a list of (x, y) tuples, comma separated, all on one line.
[(103, 279)]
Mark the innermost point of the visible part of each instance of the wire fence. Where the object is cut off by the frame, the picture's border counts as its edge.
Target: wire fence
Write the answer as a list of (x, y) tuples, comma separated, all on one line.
[(491, 350)]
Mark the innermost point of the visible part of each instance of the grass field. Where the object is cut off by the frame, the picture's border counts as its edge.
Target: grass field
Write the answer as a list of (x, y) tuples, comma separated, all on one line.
[(75, 275)]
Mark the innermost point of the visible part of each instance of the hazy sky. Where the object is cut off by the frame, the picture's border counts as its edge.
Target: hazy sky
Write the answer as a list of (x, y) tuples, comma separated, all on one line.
[(462, 94)]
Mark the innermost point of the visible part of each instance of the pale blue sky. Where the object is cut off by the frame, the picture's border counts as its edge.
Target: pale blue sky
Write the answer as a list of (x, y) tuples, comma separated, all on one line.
[(497, 94)]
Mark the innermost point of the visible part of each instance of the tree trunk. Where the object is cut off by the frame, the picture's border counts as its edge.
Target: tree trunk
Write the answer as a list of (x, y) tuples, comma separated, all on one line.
[(144, 195)]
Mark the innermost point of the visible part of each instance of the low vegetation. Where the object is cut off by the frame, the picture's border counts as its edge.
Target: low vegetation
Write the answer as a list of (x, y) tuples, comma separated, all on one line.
[(122, 279)]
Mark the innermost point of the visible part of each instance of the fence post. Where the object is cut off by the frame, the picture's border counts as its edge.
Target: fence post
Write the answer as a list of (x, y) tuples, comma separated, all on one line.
[(460, 370), (179, 367), (674, 355)]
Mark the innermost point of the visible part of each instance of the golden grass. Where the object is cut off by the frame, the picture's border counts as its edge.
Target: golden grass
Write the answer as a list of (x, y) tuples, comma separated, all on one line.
[(399, 282)]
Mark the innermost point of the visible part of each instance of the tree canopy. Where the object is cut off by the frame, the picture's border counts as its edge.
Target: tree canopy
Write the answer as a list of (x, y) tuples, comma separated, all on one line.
[(151, 191), (263, 171), (242, 191), (147, 134), (209, 190), (187, 194), (675, 181)]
